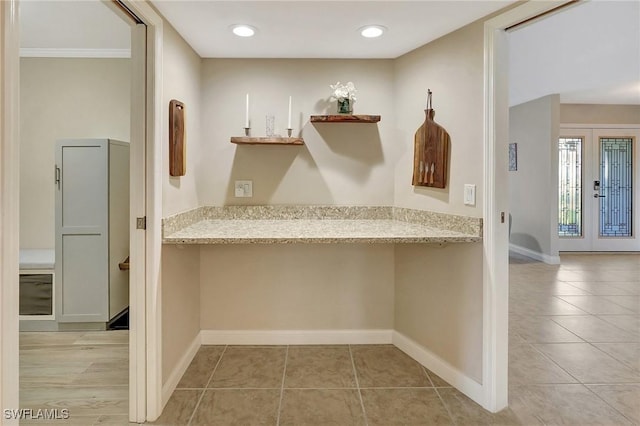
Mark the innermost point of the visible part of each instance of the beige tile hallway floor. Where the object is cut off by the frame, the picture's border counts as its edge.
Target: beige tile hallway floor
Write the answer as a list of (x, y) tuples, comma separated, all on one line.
[(574, 360)]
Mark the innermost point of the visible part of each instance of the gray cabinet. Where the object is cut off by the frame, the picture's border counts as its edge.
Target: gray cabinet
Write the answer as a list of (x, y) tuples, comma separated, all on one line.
[(92, 229)]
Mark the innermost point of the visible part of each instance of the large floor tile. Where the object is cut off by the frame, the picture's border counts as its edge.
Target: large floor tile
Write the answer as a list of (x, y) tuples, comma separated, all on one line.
[(589, 364), (626, 353), (562, 405), (466, 412), (232, 407), (528, 366), (389, 407), (597, 304), (553, 288), (624, 398), (540, 329), (199, 371), (387, 366), (319, 367), (630, 323), (604, 289), (630, 302), (436, 381), (633, 287), (594, 329), (321, 407), (179, 408), (250, 367), (545, 305)]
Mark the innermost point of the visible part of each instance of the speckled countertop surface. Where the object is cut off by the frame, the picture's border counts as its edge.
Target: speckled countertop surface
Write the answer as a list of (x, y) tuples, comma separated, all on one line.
[(211, 229)]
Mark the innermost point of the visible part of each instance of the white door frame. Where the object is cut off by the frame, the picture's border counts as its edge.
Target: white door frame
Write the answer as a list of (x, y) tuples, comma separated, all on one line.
[(145, 344), (9, 205), (496, 201)]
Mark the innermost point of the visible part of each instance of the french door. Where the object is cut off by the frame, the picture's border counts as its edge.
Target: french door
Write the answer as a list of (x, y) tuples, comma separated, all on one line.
[(598, 189)]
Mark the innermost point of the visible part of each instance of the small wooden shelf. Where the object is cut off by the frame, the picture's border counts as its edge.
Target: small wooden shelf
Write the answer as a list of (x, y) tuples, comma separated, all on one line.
[(345, 118), (244, 140)]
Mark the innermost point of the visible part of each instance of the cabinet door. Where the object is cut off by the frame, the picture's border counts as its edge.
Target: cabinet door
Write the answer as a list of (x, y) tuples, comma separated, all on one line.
[(81, 231)]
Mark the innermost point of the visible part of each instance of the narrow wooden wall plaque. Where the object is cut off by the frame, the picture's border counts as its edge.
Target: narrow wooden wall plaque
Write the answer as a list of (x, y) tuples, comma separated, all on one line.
[(431, 152), (177, 142)]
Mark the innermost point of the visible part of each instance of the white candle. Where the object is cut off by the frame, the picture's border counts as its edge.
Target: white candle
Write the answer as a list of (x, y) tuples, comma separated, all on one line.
[(246, 113), (289, 122)]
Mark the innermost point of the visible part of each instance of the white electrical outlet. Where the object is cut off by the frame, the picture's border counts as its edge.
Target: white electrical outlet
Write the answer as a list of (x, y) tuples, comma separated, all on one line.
[(469, 194), (243, 188)]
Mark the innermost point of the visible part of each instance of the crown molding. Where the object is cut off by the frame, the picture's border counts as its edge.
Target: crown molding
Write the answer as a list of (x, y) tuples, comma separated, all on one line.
[(28, 52)]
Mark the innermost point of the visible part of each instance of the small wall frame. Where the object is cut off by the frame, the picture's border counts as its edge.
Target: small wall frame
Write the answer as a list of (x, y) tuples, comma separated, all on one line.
[(513, 157), (177, 139)]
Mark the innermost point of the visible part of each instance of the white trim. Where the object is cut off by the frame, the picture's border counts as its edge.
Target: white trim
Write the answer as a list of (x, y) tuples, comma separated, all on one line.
[(296, 337), (598, 126), (442, 368), (495, 202), (31, 52), (9, 204), (536, 255), (180, 369), (150, 314)]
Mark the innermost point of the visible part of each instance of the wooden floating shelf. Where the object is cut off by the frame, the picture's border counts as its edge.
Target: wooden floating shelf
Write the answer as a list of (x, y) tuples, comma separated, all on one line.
[(243, 140), (345, 118)]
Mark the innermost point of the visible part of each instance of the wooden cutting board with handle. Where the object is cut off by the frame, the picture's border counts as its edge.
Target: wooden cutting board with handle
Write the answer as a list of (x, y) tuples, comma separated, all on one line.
[(431, 152)]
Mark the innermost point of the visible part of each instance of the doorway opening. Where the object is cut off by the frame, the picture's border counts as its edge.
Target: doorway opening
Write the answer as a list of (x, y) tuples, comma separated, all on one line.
[(75, 120)]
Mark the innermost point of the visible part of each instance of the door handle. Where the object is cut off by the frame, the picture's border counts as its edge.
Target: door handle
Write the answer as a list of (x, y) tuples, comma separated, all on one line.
[(598, 196), (57, 176)]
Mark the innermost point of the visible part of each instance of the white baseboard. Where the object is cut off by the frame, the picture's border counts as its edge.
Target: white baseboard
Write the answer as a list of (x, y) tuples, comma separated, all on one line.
[(551, 260), (295, 337), (452, 375), (179, 370)]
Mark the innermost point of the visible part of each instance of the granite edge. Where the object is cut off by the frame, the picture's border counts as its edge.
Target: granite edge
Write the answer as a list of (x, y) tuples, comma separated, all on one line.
[(463, 224)]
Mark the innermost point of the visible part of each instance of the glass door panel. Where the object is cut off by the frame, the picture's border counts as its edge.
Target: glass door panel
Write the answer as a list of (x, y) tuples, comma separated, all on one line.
[(570, 187), (616, 187)]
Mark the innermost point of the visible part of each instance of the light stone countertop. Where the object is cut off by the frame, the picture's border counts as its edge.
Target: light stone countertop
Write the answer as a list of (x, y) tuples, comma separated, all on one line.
[(288, 231)]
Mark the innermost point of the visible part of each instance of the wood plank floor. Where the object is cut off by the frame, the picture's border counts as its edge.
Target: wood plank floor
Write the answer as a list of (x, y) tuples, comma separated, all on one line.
[(86, 373)]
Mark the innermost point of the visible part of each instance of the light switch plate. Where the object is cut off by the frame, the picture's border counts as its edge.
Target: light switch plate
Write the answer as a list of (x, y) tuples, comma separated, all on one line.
[(469, 194), (243, 188)]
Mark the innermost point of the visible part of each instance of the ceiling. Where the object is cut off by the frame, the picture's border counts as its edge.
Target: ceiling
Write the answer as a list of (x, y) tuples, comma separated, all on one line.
[(72, 29), (589, 53), (318, 29)]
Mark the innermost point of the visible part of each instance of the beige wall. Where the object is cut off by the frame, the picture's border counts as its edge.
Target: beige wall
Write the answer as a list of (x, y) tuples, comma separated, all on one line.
[(180, 303), (347, 164), (452, 67), (438, 302), (180, 276), (181, 81), (296, 287), (438, 292), (599, 114), (63, 98), (533, 201)]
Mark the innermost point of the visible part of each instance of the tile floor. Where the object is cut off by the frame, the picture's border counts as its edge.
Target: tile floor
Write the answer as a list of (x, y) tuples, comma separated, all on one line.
[(574, 360)]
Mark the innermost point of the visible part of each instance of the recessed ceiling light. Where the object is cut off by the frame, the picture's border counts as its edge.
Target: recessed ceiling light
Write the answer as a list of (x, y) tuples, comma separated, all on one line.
[(243, 30), (372, 31)]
